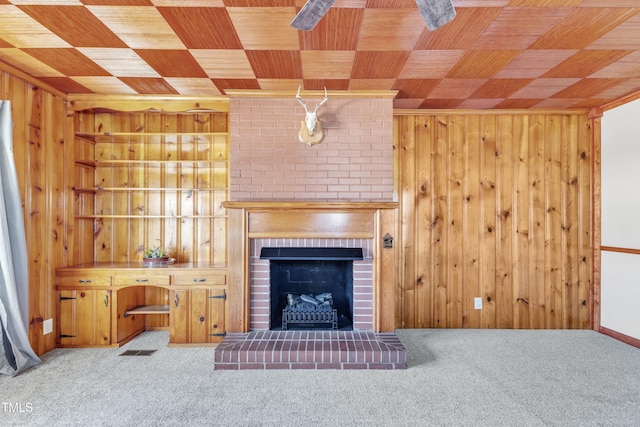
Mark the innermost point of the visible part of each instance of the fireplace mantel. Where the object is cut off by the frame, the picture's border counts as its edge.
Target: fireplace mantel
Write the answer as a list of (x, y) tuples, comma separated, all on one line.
[(315, 205), (300, 219)]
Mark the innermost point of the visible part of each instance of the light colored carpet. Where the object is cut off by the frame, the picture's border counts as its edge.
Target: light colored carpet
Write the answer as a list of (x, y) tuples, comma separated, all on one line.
[(455, 378)]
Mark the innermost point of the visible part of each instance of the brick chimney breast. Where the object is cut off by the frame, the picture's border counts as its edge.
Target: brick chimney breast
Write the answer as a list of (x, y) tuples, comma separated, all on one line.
[(354, 162)]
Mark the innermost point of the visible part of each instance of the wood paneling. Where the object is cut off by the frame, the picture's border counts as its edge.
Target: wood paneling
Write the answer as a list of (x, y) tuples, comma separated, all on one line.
[(340, 33), (38, 135), (495, 206), (211, 47), (491, 205), (323, 224), (75, 24)]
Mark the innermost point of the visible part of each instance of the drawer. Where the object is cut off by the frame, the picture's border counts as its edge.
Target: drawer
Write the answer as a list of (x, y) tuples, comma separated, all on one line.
[(84, 281), (141, 280), (187, 278)]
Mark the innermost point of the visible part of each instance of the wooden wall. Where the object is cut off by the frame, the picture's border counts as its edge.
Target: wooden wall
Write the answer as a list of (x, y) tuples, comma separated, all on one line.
[(38, 136), (491, 205), (495, 206)]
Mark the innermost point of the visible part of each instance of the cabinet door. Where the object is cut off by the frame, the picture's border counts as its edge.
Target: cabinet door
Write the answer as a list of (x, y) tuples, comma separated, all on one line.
[(85, 317), (207, 315), (178, 317), (217, 302), (196, 316)]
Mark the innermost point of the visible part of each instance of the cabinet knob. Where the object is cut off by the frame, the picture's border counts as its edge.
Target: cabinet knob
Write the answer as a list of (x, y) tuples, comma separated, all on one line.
[(201, 319)]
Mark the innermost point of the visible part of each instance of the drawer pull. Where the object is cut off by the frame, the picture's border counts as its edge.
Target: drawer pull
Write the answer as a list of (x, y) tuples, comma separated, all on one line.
[(199, 280), (176, 300), (142, 280), (106, 299), (84, 280)]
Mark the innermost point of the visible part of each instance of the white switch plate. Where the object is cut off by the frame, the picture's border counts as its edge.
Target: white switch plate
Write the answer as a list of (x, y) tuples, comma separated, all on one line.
[(47, 327), (477, 303)]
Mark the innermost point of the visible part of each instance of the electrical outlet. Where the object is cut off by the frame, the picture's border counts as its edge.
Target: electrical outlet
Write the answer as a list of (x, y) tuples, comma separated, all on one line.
[(47, 326), (477, 303)]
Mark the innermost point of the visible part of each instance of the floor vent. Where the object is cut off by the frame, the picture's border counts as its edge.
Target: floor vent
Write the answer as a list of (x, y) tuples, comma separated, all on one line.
[(138, 353)]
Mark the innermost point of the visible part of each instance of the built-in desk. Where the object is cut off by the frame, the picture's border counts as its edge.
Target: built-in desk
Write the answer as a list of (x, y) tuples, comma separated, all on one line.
[(104, 303)]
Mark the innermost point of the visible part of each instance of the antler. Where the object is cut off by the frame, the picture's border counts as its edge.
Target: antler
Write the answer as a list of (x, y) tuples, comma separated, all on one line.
[(301, 101), (326, 98)]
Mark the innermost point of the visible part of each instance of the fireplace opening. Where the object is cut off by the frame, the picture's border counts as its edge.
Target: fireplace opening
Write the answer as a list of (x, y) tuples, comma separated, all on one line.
[(311, 294), (312, 289)]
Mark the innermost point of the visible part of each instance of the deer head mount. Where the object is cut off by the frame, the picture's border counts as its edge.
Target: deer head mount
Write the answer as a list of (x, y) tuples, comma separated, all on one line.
[(311, 131)]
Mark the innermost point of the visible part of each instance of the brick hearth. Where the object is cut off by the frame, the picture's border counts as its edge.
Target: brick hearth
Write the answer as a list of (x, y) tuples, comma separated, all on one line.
[(310, 350)]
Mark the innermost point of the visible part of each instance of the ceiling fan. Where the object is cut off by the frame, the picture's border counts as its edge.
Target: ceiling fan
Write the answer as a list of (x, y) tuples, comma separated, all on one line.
[(436, 13)]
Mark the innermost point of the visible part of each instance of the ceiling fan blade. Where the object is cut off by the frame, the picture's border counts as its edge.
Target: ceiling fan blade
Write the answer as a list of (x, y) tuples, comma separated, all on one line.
[(436, 13), (311, 13)]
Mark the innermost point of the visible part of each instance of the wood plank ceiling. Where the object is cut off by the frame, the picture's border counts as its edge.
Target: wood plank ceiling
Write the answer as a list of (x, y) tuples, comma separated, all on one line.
[(494, 54)]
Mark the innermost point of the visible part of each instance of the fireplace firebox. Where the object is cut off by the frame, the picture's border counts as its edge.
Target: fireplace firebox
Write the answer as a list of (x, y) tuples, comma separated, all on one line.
[(311, 288)]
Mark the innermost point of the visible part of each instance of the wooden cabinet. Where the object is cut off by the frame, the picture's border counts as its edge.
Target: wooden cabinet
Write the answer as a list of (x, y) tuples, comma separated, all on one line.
[(113, 311), (140, 178), (198, 307), (197, 315), (85, 317)]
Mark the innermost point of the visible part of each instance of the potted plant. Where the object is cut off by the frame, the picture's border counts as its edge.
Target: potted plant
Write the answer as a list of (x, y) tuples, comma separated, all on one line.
[(156, 255)]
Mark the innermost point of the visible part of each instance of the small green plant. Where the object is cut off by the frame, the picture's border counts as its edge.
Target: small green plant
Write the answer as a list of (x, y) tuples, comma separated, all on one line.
[(156, 252)]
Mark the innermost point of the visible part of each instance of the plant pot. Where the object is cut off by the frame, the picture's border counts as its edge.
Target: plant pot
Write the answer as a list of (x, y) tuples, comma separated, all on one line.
[(157, 261)]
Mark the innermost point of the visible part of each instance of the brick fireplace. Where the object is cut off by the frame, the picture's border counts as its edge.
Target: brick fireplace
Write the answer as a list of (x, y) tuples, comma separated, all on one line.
[(290, 224), (338, 193), (251, 344), (260, 283)]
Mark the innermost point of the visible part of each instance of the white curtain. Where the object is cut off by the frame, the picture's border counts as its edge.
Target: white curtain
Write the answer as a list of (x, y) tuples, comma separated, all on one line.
[(16, 353)]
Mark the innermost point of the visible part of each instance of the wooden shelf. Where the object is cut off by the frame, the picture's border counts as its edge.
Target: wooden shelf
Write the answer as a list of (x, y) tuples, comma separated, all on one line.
[(157, 163), (93, 190), (95, 134), (92, 217), (268, 205), (182, 162), (151, 176), (148, 309), (86, 163)]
